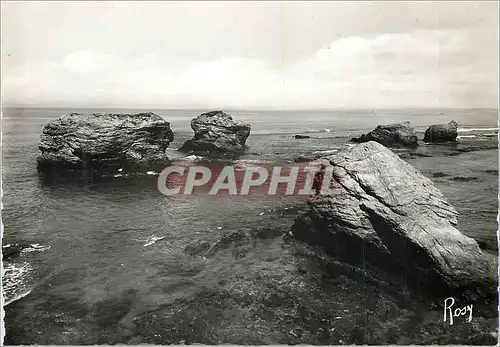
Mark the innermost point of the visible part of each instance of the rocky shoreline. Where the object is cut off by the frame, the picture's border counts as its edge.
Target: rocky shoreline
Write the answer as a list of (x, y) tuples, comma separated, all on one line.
[(384, 215)]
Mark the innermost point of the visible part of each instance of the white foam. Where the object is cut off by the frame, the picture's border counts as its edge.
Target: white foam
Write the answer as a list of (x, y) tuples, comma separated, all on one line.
[(14, 281), (152, 240), (193, 157), (17, 297), (464, 130), (326, 151), (249, 162), (318, 131), (465, 136), (152, 173), (36, 247)]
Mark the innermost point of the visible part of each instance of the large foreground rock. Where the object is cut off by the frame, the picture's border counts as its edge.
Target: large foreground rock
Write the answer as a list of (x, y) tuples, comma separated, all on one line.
[(103, 142), (385, 216), (217, 134), (392, 135), (442, 132)]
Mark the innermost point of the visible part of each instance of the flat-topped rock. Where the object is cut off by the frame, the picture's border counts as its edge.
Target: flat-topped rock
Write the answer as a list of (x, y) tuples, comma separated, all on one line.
[(102, 142), (217, 134)]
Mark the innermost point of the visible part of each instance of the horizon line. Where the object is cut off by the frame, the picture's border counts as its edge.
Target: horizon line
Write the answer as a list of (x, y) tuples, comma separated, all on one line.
[(199, 108)]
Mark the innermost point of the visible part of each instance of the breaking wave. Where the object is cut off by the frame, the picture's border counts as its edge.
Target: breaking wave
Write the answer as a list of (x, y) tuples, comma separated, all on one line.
[(193, 158), (464, 130), (326, 151), (311, 131), (150, 240)]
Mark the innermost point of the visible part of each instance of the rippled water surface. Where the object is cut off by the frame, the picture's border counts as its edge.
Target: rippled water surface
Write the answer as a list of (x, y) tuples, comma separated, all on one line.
[(116, 262)]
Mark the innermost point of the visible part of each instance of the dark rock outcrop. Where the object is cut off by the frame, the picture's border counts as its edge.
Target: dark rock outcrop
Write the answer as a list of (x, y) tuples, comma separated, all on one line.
[(495, 134), (440, 174), (442, 132), (392, 135), (239, 242), (217, 134), (298, 137), (13, 250), (384, 216), (302, 159), (100, 143), (464, 179), (305, 159)]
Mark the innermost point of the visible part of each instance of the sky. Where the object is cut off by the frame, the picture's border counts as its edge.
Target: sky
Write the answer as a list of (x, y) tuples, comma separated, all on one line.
[(253, 55)]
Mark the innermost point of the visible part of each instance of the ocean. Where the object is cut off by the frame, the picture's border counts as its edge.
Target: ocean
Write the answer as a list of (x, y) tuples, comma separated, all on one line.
[(114, 261)]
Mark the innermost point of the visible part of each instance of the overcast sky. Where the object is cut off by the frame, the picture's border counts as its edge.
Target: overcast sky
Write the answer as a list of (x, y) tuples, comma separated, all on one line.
[(250, 54)]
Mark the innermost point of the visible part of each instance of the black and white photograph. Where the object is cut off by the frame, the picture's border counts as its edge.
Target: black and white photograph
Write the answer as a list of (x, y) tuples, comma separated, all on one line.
[(249, 172)]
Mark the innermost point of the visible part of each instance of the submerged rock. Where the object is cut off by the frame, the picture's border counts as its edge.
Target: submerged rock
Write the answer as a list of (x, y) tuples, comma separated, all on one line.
[(305, 159), (495, 134), (392, 135), (442, 132), (233, 240), (238, 241), (385, 216), (440, 174), (101, 142), (216, 134), (197, 248), (464, 179)]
